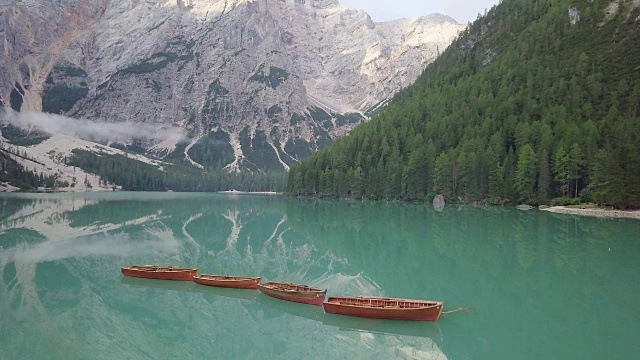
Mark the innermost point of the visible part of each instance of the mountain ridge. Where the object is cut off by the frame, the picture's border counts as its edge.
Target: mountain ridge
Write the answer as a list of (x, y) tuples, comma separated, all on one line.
[(534, 103), (293, 74)]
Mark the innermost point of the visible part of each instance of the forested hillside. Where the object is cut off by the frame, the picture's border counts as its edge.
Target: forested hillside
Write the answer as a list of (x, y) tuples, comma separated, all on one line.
[(11, 172), (136, 176), (536, 100)]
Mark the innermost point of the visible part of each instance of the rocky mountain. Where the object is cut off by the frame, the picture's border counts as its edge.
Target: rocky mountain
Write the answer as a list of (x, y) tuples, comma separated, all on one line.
[(255, 85), (537, 102)]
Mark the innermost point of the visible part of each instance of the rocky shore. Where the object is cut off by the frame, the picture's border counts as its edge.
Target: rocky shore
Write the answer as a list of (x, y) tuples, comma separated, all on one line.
[(606, 213), (236, 192)]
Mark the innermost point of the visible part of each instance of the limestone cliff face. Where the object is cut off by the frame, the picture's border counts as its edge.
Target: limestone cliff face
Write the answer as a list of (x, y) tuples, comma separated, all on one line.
[(265, 82)]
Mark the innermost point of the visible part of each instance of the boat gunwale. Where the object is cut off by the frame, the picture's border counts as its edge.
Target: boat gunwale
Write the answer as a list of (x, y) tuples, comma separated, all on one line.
[(226, 278), (158, 269), (426, 304), (270, 286), (383, 298)]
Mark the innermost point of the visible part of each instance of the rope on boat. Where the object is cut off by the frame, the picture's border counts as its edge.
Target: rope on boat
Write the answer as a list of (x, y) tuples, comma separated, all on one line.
[(456, 310)]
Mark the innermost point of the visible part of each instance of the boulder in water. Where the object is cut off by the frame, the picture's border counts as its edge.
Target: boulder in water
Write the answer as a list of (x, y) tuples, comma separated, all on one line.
[(524, 207), (438, 202)]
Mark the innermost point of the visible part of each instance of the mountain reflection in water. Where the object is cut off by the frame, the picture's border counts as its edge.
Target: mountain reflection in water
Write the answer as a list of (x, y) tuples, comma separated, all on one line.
[(60, 280)]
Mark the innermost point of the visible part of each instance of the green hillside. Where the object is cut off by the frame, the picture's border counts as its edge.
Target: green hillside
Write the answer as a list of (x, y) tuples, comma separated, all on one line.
[(536, 100), (14, 174)]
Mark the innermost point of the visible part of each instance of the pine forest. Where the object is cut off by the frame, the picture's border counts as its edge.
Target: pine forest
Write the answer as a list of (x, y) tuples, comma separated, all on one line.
[(537, 102)]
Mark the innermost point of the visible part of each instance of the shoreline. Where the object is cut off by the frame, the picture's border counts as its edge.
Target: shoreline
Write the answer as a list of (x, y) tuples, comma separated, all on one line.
[(236, 192), (7, 188), (599, 212)]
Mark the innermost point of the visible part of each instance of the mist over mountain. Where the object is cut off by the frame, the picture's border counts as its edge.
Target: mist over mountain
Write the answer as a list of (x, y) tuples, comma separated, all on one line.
[(125, 132), (261, 83)]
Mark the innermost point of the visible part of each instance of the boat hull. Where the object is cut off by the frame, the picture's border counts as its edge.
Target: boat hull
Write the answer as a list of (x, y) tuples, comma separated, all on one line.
[(428, 312), (228, 282), (310, 298), (179, 275)]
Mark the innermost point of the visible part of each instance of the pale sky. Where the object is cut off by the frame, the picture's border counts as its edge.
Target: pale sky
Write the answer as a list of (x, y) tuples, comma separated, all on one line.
[(463, 11)]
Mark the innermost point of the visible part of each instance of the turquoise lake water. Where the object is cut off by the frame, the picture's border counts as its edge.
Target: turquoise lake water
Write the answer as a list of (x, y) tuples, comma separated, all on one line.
[(537, 285)]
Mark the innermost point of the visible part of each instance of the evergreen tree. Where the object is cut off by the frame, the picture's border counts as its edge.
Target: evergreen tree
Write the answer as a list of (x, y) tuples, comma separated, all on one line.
[(526, 175), (562, 170), (443, 176), (574, 167), (496, 182), (357, 183), (544, 178), (600, 181)]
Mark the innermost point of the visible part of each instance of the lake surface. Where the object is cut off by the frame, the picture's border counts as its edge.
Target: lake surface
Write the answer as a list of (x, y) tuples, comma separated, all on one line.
[(537, 285)]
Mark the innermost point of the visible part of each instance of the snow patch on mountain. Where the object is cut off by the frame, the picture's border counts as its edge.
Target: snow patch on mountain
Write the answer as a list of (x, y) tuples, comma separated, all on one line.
[(262, 67)]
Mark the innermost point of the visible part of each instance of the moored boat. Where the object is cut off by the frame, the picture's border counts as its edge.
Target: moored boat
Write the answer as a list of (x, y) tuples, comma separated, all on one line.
[(236, 282), (384, 308), (160, 272), (293, 292)]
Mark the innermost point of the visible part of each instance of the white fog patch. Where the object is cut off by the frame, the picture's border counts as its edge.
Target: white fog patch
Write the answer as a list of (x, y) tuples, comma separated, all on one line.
[(123, 132)]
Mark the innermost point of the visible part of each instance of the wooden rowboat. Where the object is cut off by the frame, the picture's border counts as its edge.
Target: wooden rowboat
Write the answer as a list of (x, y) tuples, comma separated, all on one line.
[(293, 292), (160, 272), (384, 308), (236, 282)]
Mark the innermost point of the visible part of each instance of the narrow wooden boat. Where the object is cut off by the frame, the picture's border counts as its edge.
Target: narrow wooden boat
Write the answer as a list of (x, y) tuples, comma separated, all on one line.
[(160, 272), (236, 282), (293, 292), (384, 308)]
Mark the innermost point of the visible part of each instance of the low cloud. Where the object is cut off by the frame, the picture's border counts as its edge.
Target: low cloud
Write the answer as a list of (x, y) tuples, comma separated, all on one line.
[(122, 132)]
